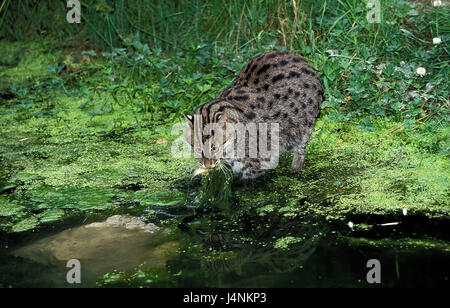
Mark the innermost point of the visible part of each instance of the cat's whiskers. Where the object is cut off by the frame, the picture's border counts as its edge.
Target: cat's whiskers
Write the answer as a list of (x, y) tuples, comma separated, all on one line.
[(226, 171)]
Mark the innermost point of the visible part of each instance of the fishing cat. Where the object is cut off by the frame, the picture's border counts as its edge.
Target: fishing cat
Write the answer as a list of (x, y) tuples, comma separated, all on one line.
[(274, 87)]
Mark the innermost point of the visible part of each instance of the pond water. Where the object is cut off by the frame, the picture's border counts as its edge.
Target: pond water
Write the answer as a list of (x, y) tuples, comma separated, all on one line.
[(331, 264), (197, 254)]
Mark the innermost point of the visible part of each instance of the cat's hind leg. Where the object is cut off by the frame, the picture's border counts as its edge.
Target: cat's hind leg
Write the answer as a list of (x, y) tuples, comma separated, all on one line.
[(300, 151), (299, 157)]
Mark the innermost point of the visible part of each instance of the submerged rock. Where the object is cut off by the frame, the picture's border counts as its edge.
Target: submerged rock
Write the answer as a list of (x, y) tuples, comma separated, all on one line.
[(119, 243), (130, 223)]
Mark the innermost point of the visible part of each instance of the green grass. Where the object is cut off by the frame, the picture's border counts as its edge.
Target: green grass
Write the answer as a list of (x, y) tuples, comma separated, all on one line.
[(179, 54)]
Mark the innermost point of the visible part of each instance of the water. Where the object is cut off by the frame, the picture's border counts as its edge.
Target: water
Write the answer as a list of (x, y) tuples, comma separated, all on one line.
[(332, 261), (207, 247), (42, 262)]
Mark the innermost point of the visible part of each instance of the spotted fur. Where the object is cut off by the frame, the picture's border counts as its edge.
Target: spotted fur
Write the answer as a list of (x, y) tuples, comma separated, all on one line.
[(277, 86)]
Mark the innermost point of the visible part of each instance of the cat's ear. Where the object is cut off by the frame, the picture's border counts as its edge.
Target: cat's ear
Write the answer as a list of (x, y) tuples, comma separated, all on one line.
[(189, 119)]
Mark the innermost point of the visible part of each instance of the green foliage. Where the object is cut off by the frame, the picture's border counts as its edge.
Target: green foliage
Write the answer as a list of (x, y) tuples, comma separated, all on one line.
[(165, 58)]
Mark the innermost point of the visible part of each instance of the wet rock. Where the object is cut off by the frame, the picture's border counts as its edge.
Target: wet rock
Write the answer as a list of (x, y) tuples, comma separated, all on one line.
[(130, 223)]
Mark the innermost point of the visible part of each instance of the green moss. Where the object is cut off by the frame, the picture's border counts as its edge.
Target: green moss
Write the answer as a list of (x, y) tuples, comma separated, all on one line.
[(350, 172), (71, 197), (25, 224), (51, 215), (8, 208), (158, 198), (285, 242), (23, 62), (394, 175), (140, 278), (72, 148), (404, 243)]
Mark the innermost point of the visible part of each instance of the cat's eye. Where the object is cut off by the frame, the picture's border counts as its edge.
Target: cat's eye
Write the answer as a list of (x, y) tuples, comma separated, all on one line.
[(213, 148)]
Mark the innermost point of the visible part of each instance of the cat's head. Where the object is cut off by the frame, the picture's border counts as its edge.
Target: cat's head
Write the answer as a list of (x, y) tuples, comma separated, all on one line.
[(207, 134)]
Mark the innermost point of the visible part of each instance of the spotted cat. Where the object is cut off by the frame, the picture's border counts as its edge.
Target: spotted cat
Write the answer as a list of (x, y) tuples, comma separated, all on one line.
[(274, 87)]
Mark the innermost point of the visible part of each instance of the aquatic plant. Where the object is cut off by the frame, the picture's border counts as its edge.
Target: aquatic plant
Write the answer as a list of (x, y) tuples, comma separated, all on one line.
[(216, 187)]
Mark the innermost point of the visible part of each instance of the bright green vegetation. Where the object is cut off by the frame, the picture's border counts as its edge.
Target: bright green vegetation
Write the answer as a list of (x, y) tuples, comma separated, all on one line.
[(368, 69), (429, 243), (21, 63), (86, 131), (349, 172), (67, 151)]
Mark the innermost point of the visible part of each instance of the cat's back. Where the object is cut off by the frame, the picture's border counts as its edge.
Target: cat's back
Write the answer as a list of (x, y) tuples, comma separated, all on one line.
[(277, 85), (277, 88), (274, 69)]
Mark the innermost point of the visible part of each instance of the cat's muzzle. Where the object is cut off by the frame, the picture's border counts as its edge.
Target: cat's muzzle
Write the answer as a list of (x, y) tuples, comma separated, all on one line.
[(205, 166)]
